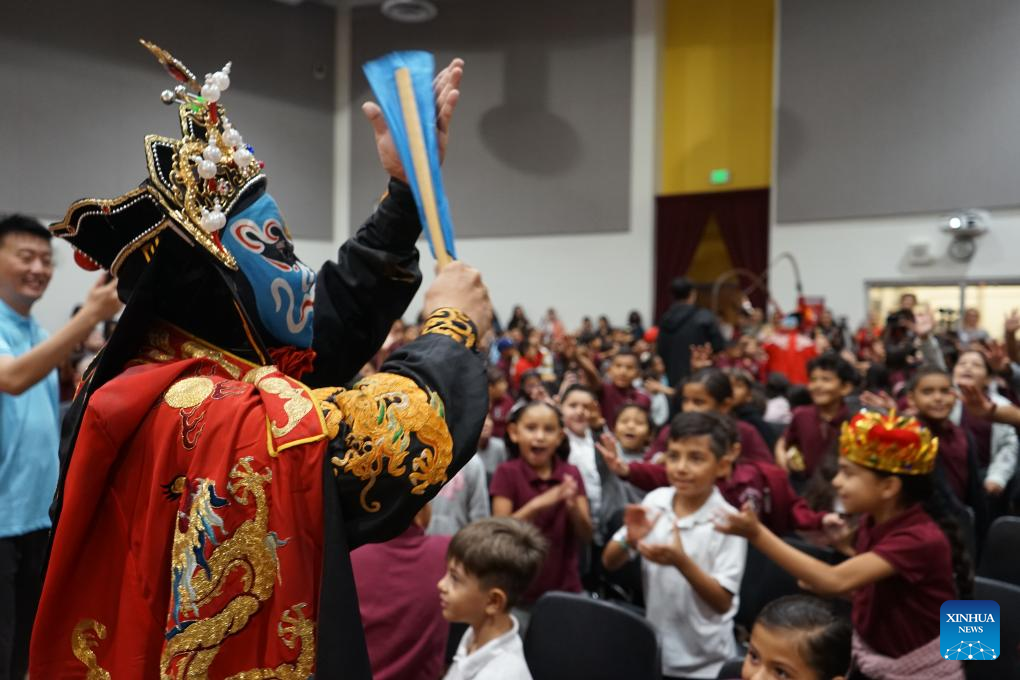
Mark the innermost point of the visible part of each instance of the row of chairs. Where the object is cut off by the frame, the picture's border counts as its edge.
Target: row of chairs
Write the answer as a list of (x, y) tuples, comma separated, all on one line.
[(576, 636), (1000, 551)]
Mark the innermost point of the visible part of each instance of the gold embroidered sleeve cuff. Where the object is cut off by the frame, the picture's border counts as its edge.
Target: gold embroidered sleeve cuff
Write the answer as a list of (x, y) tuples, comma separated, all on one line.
[(394, 429), (452, 323)]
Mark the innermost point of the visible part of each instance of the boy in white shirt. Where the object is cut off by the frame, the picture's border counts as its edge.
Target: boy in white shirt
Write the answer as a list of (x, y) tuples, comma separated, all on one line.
[(490, 563), (691, 577)]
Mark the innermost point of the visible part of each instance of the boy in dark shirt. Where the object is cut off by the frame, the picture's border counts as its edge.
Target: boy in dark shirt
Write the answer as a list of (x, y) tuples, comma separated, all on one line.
[(814, 428), (618, 389), (500, 401)]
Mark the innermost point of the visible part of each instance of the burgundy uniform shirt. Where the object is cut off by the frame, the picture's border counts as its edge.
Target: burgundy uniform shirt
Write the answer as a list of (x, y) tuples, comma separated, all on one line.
[(499, 410), (953, 449), (981, 430), (812, 434), (516, 480), (404, 626), (613, 398), (899, 614)]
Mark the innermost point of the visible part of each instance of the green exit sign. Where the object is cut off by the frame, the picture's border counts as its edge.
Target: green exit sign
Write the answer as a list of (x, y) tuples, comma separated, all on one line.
[(719, 176)]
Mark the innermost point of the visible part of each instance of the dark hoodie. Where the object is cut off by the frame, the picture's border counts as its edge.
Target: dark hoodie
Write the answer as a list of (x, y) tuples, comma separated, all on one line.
[(681, 326)]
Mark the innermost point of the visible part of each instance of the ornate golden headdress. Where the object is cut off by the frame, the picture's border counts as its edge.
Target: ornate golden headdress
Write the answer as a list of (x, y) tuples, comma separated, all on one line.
[(193, 184), (891, 443)]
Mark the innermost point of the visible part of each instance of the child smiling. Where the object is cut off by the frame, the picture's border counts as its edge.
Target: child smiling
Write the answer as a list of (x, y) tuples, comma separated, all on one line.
[(691, 578)]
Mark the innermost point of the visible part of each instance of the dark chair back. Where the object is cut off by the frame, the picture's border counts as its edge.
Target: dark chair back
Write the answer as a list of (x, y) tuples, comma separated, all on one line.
[(765, 581), (731, 669), (1008, 663), (1001, 547), (574, 636)]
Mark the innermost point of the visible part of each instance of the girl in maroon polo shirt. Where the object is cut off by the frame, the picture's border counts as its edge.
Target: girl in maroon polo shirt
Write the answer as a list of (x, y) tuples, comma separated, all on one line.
[(538, 485), (909, 558)]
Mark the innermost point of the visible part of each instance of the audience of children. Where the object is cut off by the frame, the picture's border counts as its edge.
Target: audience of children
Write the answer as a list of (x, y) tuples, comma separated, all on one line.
[(909, 557), (709, 390), (579, 465)]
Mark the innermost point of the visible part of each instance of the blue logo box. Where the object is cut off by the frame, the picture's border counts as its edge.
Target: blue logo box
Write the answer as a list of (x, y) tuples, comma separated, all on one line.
[(969, 630)]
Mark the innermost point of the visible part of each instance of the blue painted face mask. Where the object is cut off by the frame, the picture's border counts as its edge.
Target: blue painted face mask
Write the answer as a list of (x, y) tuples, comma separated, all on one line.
[(283, 286)]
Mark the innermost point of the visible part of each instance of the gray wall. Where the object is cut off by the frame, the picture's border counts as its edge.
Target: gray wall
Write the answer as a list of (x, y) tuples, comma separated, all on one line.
[(897, 106), (81, 94), (541, 139)]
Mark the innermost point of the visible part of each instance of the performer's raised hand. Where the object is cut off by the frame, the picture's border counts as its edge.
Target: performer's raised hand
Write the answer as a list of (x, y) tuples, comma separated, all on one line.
[(445, 85), (447, 90), (460, 286)]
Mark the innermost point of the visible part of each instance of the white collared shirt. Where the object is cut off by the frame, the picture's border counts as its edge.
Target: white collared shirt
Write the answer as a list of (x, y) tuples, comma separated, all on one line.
[(501, 658), (696, 640), (582, 456)]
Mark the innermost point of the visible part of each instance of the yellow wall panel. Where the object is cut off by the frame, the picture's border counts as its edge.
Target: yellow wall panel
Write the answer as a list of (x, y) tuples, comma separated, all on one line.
[(716, 94)]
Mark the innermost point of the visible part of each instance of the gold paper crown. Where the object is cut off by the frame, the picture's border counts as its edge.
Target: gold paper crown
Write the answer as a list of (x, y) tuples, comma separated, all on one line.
[(194, 182), (891, 443)]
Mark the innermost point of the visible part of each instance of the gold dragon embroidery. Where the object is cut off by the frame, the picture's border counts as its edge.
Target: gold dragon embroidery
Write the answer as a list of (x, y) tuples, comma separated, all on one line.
[(194, 641), (85, 637), (382, 412)]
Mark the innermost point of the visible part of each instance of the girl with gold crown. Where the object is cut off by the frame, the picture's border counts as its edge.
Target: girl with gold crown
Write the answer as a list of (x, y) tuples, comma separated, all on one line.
[(903, 567)]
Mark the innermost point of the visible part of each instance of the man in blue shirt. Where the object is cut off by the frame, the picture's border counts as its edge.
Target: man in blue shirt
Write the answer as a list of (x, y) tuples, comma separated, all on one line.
[(29, 424)]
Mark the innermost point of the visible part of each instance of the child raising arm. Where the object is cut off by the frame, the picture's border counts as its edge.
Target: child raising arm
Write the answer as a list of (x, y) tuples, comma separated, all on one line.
[(904, 568)]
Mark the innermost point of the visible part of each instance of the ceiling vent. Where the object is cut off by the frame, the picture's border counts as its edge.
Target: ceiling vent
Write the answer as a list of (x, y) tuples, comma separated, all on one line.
[(409, 11)]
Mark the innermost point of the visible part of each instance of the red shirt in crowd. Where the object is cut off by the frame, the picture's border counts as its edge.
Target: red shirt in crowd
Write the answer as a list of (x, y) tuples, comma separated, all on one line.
[(613, 398), (789, 354), (523, 365), (517, 481), (812, 434), (899, 614), (752, 444), (404, 626)]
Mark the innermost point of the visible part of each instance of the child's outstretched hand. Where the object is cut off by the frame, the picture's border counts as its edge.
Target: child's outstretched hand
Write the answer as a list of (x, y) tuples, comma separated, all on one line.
[(975, 400), (606, 445), (555, 495), (878, 401), (838, 532), (744, 523), (638, 522), (664, 553)]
